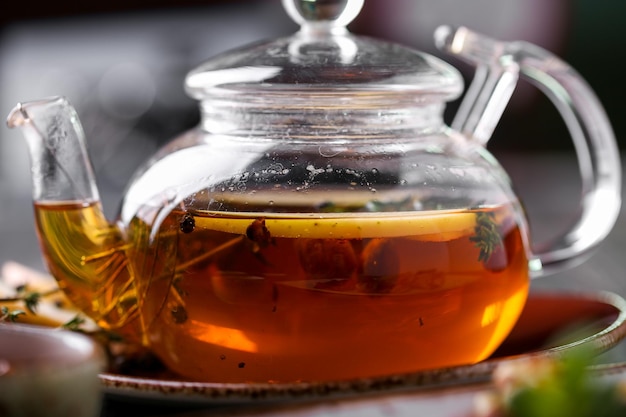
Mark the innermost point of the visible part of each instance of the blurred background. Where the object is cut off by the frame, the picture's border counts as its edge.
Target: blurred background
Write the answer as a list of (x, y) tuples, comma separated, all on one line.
[(122, 64)]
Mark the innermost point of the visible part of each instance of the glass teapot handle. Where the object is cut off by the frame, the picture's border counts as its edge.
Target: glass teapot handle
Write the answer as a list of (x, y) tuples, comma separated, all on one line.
[(499, 65)]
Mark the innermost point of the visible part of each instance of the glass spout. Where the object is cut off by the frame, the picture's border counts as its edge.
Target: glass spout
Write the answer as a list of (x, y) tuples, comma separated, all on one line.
[(61, 170), (85, 253)]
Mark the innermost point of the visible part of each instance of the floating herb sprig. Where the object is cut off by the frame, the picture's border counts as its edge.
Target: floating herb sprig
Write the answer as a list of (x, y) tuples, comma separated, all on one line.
[(486, 235)]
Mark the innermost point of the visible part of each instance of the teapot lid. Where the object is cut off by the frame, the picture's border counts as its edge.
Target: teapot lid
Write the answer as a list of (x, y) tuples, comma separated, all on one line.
[(323, 64)]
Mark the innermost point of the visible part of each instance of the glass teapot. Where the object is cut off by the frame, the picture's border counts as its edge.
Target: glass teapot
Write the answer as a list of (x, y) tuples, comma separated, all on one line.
[(322, 222)]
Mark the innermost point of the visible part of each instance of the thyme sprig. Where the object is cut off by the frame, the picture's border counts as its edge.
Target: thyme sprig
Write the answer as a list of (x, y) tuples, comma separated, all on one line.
[(9, 315), (486, 235), (74, 324), (31, 300)]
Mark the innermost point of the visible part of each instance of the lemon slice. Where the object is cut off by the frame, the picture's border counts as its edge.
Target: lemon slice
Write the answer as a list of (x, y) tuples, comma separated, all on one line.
[(422, 226)]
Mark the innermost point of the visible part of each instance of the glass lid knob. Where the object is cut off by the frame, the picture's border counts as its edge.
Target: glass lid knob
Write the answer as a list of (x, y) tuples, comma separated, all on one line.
[(327, 15)]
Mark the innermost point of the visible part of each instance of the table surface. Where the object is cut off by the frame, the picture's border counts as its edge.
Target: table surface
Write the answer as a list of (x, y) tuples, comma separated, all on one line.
[(547, 183)]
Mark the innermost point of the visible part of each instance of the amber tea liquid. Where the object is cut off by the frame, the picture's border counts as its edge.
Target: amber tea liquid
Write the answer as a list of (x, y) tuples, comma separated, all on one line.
[(282, 297)]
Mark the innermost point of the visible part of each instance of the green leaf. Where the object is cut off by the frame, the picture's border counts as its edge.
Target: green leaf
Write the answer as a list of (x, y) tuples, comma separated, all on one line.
[(570, 391), (10, 315), (31, 300), (74, 324)]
